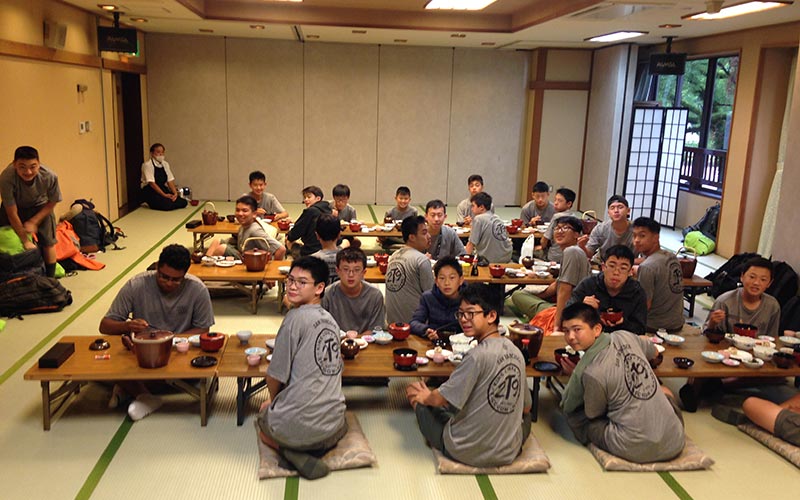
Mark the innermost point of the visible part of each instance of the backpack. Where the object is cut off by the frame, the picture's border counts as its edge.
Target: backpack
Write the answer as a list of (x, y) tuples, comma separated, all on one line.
[(94, 229), (727, 277), (707, 224), (784, 282), (699, 242), (790, 315), (30, 294)]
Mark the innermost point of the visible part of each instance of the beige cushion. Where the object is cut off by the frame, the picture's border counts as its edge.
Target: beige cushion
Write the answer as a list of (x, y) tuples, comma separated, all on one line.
[(532, 458), (351, 452), (691, 458), (788, 451)]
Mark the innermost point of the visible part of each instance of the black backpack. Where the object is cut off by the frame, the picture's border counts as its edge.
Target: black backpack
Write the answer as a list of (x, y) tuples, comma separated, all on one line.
[(31, 294), (29, 262), (784, 282), (707, 224), (95, 231), (790, 315), (726, 278)]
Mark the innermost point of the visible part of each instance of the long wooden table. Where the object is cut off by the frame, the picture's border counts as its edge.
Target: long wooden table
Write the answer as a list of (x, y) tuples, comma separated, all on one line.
[(250, 283), (83, 367)]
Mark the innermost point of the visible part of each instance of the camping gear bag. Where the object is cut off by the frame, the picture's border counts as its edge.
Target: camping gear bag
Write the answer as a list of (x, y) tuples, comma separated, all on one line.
[(708, 223), (784, 283), (94, 230), (27, 261), (699, 242), (31, 294)]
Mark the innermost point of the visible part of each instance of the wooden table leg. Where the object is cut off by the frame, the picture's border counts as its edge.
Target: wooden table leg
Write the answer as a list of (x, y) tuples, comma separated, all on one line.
[(535, 399), (46, 405), (203, 402)]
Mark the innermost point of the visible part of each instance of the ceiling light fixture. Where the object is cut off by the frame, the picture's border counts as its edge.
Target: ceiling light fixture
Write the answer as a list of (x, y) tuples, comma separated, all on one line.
[(458, 4), (669, 26), (733, 10), (616, 36), (257, 26), (106, 6)]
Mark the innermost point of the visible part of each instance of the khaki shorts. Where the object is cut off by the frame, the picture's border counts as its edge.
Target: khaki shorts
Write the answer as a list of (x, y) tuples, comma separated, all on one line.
[(325, 444), (787, 426)]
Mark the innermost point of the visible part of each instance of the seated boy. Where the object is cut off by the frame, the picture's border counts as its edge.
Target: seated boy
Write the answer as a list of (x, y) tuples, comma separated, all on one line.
[(748, 304), (267, 202), (444, 240), (304, 416), (327, 231), (464, 214), (341, 203), (574, 268), (612, 288), (661, 277), (249, 227), (306, 224), (616, 230), (613, 398), (409, 273), (539, 210), (481, 415), (488, 236), (354, 303), (401, 211), (437, 307), (562, 202), (782, 420)]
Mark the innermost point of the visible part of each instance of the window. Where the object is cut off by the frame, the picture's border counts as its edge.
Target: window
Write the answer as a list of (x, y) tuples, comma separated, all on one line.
[(707, 90)]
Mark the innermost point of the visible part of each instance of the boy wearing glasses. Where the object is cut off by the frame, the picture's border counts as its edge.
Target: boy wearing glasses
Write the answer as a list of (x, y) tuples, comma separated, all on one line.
[(612, 288), (164, 299), (354, 303), (305, 415), (481, 415)]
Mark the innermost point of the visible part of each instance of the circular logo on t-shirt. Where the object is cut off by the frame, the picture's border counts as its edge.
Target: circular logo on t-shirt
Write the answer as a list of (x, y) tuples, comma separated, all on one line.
[(499, 230), (641, 382), (675, 276), (504, 389), (326, 352), (395, 278)]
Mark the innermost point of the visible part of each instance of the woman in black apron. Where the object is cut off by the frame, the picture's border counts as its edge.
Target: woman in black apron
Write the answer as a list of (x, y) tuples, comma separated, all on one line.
[(158, 189)]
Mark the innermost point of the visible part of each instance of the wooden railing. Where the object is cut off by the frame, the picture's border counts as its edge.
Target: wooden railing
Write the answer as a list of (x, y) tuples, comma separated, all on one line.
[(703, 170)]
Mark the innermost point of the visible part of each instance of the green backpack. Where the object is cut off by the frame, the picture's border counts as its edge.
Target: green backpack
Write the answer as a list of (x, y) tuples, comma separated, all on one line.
[(701, 243)]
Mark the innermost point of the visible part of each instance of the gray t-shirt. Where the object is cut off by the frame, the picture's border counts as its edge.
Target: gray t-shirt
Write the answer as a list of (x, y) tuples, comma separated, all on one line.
[(347, 214), (446, 244), (574, 266), (620, 386), (268, 202), (603, 237), (310, 408), (14, 191), (490, 238), (490, 390), (361, 313), (555, 253), (397, 214), (408, 275), (187, 307), (464, 209), (767, 316), (254, 230), (660, 276), (530, 210), (329, 257)]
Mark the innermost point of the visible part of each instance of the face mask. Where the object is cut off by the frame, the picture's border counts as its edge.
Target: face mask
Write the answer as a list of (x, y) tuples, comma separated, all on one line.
[(160, 159)]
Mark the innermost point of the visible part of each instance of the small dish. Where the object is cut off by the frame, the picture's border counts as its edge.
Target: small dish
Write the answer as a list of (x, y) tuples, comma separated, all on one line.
[(204, 361), (457, 358), (660, 348), (447, 354), (674, 339), (268, 357), (744, 343), (253, 360), (382, 338), (656, 340), (764, 353), (733, 363), (101, 345), (754, 363), (225, 263), (683, 363), (789, 341), (546, 366), (284, 269), (194, 340), (270, 343), (250, 351), (362, 344), (422, 360), (371, 262), (368, 338), (768, 338), (712, 357)]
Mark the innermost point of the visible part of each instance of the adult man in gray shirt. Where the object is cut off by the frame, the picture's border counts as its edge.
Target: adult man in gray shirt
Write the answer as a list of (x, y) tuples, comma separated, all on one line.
[(661, 277), (354, 303), (616, 230), (563, 204), (409, 272), (444, 240), (164, 299), (488, 236), (613, 398)]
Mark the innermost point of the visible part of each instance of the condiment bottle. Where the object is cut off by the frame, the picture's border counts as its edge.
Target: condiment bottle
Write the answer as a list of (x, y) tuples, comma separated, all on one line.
[(474, 270), (525, 354)]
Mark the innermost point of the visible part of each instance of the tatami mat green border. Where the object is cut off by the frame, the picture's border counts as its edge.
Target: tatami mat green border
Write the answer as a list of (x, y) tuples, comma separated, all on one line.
[(28, 355), (291, 490), (372, 212), (105, 459), (486, 487), (675, 486)]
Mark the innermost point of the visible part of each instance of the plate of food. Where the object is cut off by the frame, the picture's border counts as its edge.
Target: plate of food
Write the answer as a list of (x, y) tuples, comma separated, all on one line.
[(447, 354), (712, 357), (284, 269), (226, 263)]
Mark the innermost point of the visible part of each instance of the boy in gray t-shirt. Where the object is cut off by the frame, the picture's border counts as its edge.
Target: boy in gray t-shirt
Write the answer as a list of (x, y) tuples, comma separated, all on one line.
[(268, 204), (488, 236), (249, 227), (354, 303), (305, 415), (539, 210), (409, 272), (481, 415), (328, 230), (661, 277), (341, 206), (616, 230)]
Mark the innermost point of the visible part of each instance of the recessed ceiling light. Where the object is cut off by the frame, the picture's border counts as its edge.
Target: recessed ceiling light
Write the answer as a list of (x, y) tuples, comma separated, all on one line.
[(736, 10), (458, 35), (669, 26), (487, 44), (312, 37), (359, 32), (205, 30), (400, 40), (616, 36), (106, 6), (257, 26), (138, 19), (458, 4)]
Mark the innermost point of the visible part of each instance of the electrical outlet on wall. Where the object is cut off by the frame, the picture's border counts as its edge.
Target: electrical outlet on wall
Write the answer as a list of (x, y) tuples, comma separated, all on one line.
[(88, 126), (81, 127)]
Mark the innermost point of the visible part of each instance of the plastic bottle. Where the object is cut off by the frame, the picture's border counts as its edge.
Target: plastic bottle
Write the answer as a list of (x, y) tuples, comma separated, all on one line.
[(474, 270), (525, 354)]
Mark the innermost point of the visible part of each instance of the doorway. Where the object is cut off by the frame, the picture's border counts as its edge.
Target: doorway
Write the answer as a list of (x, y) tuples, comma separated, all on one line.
[(130, 143)]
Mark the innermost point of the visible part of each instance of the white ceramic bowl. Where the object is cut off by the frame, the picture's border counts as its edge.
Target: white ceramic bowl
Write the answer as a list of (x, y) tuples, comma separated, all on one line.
[(763, 352), (674, 339), (284, 269), (712, 356), (755, 363), (382, 338), (744, 343), (255, 351), (789, 341)]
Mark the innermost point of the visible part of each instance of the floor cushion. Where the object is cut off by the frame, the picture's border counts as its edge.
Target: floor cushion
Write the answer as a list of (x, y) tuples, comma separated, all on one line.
[(352, 451), (691, 458), (532, 458), (788, 451)]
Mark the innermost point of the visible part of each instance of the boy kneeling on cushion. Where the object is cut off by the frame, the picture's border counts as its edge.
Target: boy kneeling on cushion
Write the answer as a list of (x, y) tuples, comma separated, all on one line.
[(305, 416), (613, 398), (481, 415)]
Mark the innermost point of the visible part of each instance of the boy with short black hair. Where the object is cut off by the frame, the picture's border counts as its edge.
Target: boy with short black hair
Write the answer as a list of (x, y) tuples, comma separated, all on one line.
[(613, 398), (409, 273), (616, 230), (305, 415), (403, 209), (539, 210), (444, 240), (464, 214), (438, 305), (562, 202), (267, 202), (341, 203), (328, 230), (249, 227), (306, 224), (488, 236), (354, 303), (481, 415)]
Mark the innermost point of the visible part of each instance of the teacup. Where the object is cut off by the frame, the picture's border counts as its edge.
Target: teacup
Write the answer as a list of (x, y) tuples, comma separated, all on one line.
[(254, 359), (244, 336), (182, 345)]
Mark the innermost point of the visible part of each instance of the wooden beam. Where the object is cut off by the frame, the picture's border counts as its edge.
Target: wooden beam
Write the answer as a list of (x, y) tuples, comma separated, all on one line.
[(545, 85), (127, 67), (40, 53)]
